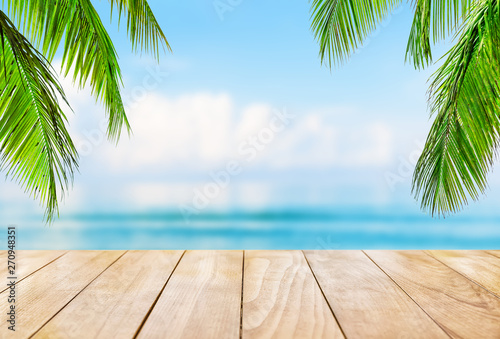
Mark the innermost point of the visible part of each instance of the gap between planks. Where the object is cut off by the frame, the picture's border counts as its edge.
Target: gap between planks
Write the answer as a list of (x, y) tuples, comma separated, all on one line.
[(34, 269), (475, 276), (323, 294), (242, 287), (409, 296), (158, 297), (452, 300), (76, 295), (471, 279)]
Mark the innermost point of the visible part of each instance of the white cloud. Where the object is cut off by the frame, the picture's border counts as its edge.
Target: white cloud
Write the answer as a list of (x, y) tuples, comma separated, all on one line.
[(327, 140), (190, 130), (203, 131), (252, 120)]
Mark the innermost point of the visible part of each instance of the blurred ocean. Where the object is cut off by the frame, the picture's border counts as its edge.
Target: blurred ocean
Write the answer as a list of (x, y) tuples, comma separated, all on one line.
[(285, 229)]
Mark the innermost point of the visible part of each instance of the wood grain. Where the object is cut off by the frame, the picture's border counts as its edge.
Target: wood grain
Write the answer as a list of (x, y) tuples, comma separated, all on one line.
[(479, 266), (366, 302), (28, 262), (202, 299), (400, 294), (281, 298), (115, 304), (41, 295), (495, 253), (460, 306)]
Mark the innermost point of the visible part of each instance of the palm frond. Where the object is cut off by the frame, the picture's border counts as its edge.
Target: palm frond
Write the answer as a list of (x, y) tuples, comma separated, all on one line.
[(142, 26), (341, 26), (465, 95), (35, 147), (89, 54), (433, 18)]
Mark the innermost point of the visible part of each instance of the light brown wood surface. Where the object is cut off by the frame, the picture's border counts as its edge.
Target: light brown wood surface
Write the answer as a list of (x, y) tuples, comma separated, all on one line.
[(461, 307), (496, 253), (28, 262), (281, 298), (479, 266), (115, 304), (202, 299), (44, 293), (366, 302), (256, 294)]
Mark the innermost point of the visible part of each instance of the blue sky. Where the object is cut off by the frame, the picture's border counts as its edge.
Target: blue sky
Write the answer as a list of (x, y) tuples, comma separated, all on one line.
[(352, 141)]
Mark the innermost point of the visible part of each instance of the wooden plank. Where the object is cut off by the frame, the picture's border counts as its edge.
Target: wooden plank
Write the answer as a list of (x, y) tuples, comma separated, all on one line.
[(201, 299), (479, 266), (281, 298), (366, 302), (460, 306), (28, 262), (495, 253), (41, 295), (115, 304)]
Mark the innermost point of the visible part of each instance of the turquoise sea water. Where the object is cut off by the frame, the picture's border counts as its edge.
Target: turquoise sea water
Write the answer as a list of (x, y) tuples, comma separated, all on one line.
[(295, 229)]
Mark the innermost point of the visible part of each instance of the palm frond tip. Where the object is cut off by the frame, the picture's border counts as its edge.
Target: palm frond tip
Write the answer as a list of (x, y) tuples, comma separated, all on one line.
[(35, 147)]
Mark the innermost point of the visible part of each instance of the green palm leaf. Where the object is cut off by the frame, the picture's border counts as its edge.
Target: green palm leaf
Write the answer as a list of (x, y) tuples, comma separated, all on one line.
[(35, 147), (436, 18), (89, 53), (341, 26), (465, 95), (142, 26)]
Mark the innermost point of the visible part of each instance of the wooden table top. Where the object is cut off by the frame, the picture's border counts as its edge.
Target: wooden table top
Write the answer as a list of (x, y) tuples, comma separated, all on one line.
[(254, 294)]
